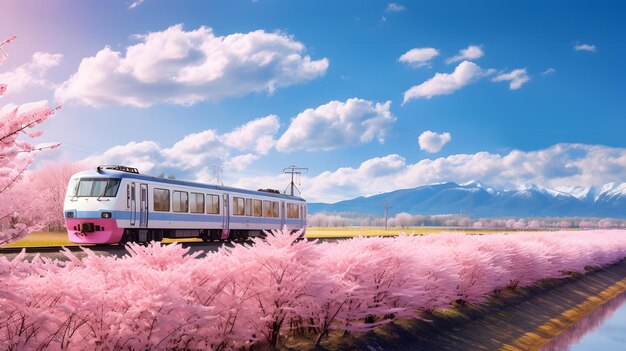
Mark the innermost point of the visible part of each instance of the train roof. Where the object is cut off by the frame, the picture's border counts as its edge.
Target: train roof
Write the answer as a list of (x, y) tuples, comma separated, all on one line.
[(133, 175)]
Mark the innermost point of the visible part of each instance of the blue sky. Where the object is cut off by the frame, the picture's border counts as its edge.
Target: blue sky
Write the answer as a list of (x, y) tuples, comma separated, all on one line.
[(505, 92)]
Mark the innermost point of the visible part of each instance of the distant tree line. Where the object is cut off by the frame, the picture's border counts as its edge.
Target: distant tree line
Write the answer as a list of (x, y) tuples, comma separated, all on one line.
[(405, 220)]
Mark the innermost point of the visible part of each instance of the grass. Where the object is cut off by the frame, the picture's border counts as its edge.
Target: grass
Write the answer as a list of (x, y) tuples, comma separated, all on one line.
[(60, 238)]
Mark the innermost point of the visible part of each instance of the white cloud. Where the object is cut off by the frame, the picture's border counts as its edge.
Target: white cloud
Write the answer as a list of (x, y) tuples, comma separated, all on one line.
[(393, 7), (179, 67), (444, 83), (195, 149), (195, 153), (31, 74), (433, 142), (144, 155), (558, 165), (240, 162), (472, 52), (135, 4), (255, 135), (419, 56), (585, 47), (548, 71), (381, 166), (517, 77), (337, 124)]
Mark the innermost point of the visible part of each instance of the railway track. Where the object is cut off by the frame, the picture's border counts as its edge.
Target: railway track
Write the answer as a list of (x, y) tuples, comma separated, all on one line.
[(116, 248), (111, 248), (38, 249)]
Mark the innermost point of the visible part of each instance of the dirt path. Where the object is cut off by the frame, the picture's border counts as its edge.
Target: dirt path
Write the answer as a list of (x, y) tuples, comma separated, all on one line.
[(519, 321)]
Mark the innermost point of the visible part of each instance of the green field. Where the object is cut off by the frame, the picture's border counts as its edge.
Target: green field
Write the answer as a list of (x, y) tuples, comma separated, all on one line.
[(60, 238)]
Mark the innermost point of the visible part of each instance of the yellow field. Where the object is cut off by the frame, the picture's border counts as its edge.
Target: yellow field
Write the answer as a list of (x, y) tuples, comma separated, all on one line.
[(43, 239), (342, 232), (60, 238)]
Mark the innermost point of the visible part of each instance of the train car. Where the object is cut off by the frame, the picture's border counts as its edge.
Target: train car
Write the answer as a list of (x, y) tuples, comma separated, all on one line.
[(116, 204)]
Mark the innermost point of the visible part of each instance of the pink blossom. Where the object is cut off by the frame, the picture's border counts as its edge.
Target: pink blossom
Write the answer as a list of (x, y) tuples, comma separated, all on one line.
[(7, 41), (16, 217), (161, 297)]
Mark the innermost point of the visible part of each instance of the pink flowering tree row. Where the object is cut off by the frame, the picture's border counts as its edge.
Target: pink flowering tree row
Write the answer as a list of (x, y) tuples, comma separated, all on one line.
[(406, 220), (16, 154), (161, 297)]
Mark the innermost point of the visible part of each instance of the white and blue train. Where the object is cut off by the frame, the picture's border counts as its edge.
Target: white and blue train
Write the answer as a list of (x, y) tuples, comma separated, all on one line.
[(116, 204)]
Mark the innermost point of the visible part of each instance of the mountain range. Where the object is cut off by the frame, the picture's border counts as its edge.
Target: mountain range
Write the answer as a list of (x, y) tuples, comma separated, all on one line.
[(479, 200)]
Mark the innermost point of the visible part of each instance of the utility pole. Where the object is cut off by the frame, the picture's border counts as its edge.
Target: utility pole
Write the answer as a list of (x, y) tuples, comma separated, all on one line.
[(387, 207), (293, 170), (218, 169)]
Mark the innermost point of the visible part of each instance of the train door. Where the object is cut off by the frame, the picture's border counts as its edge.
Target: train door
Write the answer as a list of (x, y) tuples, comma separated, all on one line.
[(302, 216), (143, 205), (282, 214), (133, 204), (226, 212)]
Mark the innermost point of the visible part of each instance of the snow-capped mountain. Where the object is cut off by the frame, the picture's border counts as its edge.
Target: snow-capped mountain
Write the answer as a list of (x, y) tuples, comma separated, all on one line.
[(480, 200), (584, 193)]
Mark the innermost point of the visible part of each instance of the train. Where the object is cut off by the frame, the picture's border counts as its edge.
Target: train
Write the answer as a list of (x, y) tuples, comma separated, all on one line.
[(116, 204)]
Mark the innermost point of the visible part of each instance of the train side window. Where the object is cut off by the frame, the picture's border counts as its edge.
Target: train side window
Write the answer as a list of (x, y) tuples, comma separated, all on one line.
[(196, 203), (257, 208), (161, 200), (293, 211), (212, 204), (267, 209), (248, 207), (239, 206), (275, 211), (180, 201)]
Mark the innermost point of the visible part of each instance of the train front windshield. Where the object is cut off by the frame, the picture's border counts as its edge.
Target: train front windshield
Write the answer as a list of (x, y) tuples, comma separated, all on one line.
[(93, 187)]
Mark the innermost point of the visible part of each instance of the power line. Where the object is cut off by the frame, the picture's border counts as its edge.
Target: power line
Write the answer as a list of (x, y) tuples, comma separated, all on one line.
[(45, 137), (293, 170), (386, 214), (218, 169)]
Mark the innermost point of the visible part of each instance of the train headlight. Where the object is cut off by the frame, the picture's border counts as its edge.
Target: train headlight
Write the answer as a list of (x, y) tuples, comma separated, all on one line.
[(69, 214), (106, 215)]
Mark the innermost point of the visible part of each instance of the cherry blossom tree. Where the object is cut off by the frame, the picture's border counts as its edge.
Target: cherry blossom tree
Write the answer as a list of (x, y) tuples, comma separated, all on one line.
[(586, 224), (403, 220), (534, 224), (326, 220), (605, 223), (161, 297), (48, 184), (279, 283), (565, 224), (16, 155)]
